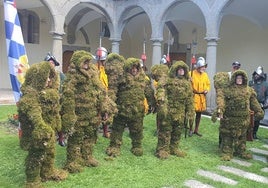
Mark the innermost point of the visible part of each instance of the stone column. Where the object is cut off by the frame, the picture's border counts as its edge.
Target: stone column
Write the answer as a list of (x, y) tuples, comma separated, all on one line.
[(115, 45), (57, 48), (156, 56), (211, 58)]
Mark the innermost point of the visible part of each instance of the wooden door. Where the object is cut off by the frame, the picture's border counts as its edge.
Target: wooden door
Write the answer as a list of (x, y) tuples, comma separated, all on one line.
[(66, 60)]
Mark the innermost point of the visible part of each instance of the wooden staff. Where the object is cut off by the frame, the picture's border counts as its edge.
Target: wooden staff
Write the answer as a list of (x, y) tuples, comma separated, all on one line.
[(250, 129)]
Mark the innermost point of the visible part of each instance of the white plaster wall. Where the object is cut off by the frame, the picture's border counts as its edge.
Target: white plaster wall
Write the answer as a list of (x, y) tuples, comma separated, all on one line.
[(35, 52), (242, 41), (4, 71)]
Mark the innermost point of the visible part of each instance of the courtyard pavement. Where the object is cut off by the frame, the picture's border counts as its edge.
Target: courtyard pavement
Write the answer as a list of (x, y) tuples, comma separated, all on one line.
[(6, 97)]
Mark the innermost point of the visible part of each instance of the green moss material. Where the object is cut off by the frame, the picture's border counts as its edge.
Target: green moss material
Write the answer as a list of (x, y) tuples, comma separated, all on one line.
[(175, 99), (131, 108), (84, 99), (39, 118), (234, 104)]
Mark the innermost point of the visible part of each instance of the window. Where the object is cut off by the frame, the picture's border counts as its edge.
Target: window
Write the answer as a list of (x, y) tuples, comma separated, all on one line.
[(30, 23)]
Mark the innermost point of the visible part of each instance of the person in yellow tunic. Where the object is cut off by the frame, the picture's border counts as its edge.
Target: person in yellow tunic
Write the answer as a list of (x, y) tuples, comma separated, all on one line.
[(201, 86), (101, 55)]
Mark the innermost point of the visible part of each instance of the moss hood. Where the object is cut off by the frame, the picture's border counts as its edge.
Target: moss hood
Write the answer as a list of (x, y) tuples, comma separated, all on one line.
[(243, 74), (36, 77), (174, 68)]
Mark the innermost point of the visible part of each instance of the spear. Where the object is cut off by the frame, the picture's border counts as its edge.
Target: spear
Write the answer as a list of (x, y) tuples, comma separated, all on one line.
[(168, 49), (143, 55)]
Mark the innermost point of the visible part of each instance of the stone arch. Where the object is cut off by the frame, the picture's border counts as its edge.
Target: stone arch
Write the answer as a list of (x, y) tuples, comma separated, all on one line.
[(83, 13)]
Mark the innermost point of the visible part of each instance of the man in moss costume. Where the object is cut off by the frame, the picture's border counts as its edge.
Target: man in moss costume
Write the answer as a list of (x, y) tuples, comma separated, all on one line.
[(54, 63), (84, 99), (39, 116), (176, 106), (235, 100), (159, 74), (114, 68), (131, 109)]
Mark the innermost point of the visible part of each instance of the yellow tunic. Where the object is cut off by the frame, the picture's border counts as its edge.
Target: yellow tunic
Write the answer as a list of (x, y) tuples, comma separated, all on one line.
[(200, 83), (103, 76)]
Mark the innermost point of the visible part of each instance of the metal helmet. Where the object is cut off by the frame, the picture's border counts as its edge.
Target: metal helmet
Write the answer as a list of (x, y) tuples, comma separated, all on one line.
[(101, 53), (259, 71), (201, 62), (163, 60), (50, 57), (236, 64)]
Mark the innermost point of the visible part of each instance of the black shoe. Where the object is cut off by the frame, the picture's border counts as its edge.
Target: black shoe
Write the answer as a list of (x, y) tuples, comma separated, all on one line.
[(255, 137), (198, 134), (62, 143)]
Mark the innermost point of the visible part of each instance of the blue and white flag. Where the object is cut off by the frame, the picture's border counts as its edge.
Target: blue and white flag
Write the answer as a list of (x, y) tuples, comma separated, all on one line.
[(16, 53)]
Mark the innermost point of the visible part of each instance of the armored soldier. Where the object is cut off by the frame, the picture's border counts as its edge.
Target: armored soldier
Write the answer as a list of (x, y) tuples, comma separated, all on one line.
[(101, 56), (260, 86), (201, 86)]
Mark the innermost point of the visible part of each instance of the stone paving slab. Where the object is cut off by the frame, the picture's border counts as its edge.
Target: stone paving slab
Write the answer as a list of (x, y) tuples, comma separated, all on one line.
[(216, 177), (264, 169), (6, 97), (259, 151), (244, 174), (260, 158), (242, 163), (196, 184)]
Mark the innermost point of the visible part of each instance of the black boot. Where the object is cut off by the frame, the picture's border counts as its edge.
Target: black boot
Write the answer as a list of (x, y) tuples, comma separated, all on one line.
[(255, 136), (255, 129)]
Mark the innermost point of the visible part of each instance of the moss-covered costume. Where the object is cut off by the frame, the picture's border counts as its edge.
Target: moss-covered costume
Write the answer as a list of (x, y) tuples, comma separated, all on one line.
[(114, 70), (159, 74), (175, 99), (131, 109), (234, 103), (39, 116), (83, 101)]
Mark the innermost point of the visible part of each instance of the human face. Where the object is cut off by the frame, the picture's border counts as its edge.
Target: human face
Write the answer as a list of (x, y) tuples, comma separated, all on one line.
[(48, 82), (52, 63), (180, 72), (202, 69), (235, 68), (85, 65), (134, 70), (239, 80)]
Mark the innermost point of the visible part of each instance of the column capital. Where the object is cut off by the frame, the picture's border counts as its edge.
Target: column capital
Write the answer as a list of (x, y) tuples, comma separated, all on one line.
[(115, 39), (212, 39), (156, 40), (56, 35)]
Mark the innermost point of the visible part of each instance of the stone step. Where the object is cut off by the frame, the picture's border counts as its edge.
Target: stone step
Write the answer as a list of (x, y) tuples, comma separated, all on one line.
[(196, 184), (244, 174), (259, 151), (260, 158), (242, 163), (215, 177), (264, 169)]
